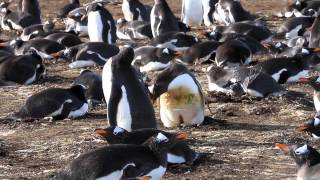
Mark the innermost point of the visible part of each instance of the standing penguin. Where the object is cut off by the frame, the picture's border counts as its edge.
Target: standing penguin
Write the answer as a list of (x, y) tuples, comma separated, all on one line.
[(101, 25), (315, 83), (192, 12), (181, 97), (307, 160), (208, 10), (162, 18), (127, 100), (31, 7), (134, 10)]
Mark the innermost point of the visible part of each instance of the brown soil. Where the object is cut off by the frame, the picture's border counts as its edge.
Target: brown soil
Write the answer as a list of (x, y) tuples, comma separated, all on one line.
[(237, 144)]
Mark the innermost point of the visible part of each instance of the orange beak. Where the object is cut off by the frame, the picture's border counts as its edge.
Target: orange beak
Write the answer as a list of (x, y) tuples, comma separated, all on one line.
[(304, 80), (179, 53), (102, 132), (282, 146), (316, 50), (302, 128), (183, 136), (56, 55), (145, 178)]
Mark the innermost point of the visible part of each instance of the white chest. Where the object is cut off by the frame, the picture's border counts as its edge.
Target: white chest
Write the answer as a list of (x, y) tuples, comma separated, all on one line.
[(95, 27)]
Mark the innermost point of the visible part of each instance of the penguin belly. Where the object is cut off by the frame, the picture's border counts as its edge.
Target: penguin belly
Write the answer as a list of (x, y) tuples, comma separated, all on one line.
[(179, 106), (316, 102), (128, 15), (206, 11), (192, 12), (95, 27), (79, 112), (124, 118)]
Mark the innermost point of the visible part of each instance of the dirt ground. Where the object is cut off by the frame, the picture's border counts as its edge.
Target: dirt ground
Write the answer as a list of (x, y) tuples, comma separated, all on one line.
[(237, 144)]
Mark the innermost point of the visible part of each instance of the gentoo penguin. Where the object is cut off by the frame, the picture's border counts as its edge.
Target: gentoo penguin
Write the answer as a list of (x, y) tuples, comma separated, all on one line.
[(64, 11), (181, 97), (93, 84), (242, 80), (233, 53), (295, 26), (315, 83), (177, 41), (87, 54), (231, 11), (200, 52), (314, 40), (208, 10), (101, 25), (31, 7), (129, 106), (64, 38), (56, 103), (301, 8), (149, 58), (250, 28), (178, 154), (45, 47), (312, 127), (162, 19), (289, 69), (77, 21), (123, 161), (192, 12), (37, 31), (307, 160), (133, 30), (134, 10), (24, 69)]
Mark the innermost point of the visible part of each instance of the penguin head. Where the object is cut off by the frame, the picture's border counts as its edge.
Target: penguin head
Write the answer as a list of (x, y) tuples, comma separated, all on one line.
[(124, 58), (113, 134), (95, 7), (313, 81), (311, 127), (160, 142), (4, 7), (79, 92), (303, 154), (16, 43)]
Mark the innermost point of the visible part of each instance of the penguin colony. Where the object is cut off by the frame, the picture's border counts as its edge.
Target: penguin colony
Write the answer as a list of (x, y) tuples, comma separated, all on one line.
[(136, 77)]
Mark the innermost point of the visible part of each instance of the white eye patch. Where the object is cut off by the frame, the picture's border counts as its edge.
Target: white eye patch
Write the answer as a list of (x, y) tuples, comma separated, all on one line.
[(166, 51), (162, 138), (118, 130), (302, 150), (316, 121)]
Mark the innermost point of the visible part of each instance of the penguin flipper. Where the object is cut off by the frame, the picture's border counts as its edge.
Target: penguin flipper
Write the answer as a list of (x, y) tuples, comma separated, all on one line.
[(67, 107), (114, 100)]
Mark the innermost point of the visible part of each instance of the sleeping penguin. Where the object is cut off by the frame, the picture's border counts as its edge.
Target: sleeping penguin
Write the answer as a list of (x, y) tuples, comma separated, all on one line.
[(178, 154), (312, 127), (181, 97), (93, 84), (162, 19), (149, 58), (101, 25), (87, 54), (29, 66), (123, 161), (55, 103), (307, 160), (134, 10), (128, 103)]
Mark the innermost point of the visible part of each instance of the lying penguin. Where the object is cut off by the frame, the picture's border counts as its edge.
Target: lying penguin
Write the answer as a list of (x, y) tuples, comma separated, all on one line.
[(181, 97), (123, 161), (307, 160), (299, 8), (315, 83), (242, 80), (30, 67), (177, 41), (128, 103), (289, 69), (55, 103), (149, 58), (93, 84), (87, 54), (295, 27), (311, 127), (178, 154)]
